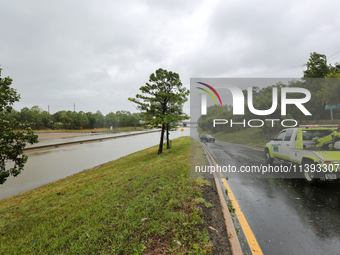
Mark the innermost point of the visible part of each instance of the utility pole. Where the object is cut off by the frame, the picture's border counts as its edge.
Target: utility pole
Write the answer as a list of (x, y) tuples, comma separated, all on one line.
[(74, 107), (48, 109)]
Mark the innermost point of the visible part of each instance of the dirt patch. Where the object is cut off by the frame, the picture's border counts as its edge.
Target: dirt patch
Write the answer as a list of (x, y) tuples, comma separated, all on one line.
[(157, 246), (59, 135), (214, 220)]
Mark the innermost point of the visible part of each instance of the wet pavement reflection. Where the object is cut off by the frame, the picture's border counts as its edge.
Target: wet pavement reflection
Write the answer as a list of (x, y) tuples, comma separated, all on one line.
[(286, 215)]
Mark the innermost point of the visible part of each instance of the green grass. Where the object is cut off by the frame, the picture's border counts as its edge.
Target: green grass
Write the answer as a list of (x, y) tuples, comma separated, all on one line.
[(248, 136), (143, 202)]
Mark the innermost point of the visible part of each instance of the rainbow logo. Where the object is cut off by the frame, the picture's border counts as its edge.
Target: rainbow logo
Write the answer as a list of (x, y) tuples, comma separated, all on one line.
[(208, 92)]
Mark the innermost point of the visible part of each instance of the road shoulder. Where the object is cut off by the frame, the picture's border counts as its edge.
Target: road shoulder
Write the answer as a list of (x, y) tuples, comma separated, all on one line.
[(214, 220)]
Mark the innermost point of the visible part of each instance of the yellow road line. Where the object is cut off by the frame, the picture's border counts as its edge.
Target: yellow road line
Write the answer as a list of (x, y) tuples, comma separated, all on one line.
[(252, 242)]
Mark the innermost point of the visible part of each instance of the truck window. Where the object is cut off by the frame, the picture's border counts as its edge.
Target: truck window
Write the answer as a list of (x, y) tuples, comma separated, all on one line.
[(310, 134), (288, 135), (280, 136)]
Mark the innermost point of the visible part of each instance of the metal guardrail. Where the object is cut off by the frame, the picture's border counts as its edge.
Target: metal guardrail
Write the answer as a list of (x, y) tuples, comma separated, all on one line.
[(58, 145)]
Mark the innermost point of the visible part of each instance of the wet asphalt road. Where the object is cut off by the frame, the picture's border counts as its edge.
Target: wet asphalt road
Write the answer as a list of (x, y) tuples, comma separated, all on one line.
[(287, 216)]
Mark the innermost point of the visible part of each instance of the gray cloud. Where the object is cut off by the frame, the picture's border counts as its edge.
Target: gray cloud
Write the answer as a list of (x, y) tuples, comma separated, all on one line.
[(96, 54)]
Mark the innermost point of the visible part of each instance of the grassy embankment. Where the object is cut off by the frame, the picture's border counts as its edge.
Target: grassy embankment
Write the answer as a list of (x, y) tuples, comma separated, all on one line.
[(143, 202), (247, 136), (255, 136)]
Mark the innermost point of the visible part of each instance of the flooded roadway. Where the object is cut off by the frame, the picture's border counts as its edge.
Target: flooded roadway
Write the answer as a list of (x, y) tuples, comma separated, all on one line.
[(50, 165)]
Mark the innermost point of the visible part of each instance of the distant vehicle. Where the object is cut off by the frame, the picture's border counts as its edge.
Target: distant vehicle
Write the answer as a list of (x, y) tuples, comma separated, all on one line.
[(207, 138)]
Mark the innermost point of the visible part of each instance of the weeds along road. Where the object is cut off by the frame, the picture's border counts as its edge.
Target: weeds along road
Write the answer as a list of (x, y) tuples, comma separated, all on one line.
[(287, 216)]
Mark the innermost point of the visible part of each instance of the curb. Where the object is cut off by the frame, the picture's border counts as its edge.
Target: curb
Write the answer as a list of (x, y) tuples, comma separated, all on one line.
[(57, 145), (233, 238)]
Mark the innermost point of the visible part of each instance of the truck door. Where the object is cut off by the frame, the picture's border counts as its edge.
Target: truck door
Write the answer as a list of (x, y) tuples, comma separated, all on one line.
[(277, 144), (286, 144)]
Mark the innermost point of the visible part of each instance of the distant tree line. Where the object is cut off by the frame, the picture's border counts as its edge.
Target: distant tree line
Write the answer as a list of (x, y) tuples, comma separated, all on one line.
[(325, 93), (37, 118)]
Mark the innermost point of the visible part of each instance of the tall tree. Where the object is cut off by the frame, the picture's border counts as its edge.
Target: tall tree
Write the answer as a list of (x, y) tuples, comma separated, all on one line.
[(46, 118), (100, 119), (12, 142), (92, 118), (111, 119), (26, 116), (316, 66), (175, 113), (331, 91), (317, 69), (81, 120), (160, 101), (36, 115)]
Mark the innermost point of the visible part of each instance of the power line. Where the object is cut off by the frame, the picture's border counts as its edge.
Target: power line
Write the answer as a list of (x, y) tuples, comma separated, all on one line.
[(338, 55), (333, 54)]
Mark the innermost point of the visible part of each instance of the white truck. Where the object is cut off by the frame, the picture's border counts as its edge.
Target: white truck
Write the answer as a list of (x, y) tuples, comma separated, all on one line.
[(314, 150)]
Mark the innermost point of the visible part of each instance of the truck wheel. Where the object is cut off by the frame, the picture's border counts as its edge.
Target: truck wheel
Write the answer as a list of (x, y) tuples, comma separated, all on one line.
[(308, 176), (269, 160)]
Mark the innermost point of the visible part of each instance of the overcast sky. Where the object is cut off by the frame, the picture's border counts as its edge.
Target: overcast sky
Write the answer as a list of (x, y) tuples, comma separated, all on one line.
[(96, 54)]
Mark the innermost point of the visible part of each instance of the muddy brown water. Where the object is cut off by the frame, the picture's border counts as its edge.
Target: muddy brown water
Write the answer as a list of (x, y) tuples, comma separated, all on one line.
[(54, 164)]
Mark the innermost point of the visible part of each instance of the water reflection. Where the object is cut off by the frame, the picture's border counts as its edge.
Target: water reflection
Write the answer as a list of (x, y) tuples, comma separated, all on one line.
[(47, 166)]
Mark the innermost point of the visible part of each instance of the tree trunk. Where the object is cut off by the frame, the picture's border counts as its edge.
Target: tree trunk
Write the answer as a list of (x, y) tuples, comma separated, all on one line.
[(160, 150), (331, 114), (167, 136)]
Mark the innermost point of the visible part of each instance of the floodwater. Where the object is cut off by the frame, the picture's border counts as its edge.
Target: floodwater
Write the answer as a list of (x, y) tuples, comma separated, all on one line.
[(51, 165)]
